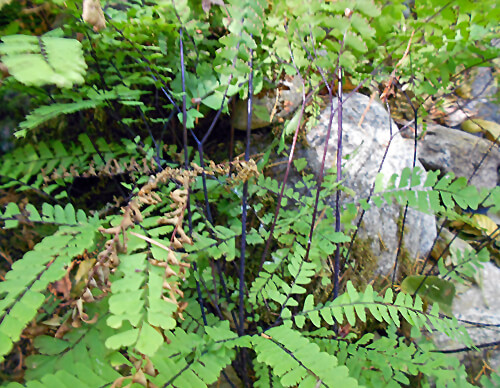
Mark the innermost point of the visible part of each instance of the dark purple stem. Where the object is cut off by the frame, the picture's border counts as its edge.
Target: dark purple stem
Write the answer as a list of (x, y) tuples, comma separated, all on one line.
[(241, 330), (338, 179), (186, 165)]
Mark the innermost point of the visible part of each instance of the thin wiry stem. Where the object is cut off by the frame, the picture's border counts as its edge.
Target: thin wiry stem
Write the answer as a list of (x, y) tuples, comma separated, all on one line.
[(241, 311), (336, 274), (186, 165), (244, 203)]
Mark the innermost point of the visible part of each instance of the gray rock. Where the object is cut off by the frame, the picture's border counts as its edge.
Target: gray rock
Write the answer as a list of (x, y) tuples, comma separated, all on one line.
[(366, 146), (448, 150), (483, 91), (479, 303), (479, 99)]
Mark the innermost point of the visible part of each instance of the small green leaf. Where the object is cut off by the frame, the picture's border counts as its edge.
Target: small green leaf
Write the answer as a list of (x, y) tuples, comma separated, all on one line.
[(299, 321), (125, 338), (149, 340)]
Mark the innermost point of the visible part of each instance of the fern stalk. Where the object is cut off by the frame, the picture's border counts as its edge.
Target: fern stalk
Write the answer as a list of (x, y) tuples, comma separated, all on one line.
[(336, 274)]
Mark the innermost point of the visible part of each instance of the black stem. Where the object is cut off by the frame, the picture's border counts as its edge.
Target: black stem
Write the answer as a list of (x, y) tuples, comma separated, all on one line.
[(336, 275), (186, 166)]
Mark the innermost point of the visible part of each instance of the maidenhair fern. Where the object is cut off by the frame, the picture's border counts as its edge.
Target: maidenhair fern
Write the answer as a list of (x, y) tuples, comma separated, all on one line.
[(297, 361), (170, 285), (47, 165), (24, 286), (78, 359), (430, 195), (391, 360), (44, 60), (56, 215)]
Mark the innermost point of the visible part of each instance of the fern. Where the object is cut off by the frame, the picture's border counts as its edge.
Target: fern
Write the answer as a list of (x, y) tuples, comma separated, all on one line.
[(297, 361), (388, 361), (128, 303), (44, 60), (429, 195), (24, 286), (154, 294), (46, 165), (464, 263), (353, 304), (56, 215), (97, 99), (48, 112), (79, 353), (196, 359)]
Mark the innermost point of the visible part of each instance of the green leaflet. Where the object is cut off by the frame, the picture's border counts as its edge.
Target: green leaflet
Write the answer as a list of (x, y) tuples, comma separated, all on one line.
[(191, 359), (45, 60), (47, 112), (80, 353), (427, 196), (387, 360), (463, 263), (97, 98)]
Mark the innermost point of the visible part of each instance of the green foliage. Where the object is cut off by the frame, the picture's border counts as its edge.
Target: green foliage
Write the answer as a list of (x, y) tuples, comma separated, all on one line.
[(430, 196), (76, 357), (297, 361), (45, 60), (48, 166), (142, 307), (390, 360), (24, 286), (143, 287)]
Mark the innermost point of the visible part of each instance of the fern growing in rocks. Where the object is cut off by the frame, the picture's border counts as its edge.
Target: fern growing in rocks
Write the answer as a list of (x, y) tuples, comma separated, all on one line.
[(207, 268)]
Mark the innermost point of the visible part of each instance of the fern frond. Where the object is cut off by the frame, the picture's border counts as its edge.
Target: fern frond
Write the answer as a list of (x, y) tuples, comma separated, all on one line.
[(44, 60), (81, 353), (40, 165), (296, 360), (77, 375), (246, 23), (56, 215), (390, 360), (264, 376), (138, 306), (192, 359), (47, 112), (137, 300), (430, 195), (24, 286), (463, 263), (354, 304)]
